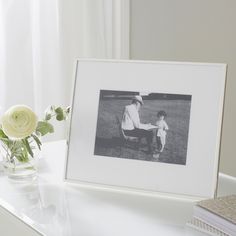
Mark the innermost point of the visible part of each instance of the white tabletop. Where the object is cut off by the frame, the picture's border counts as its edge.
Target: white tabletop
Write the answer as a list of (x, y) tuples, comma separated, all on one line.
[(52, 207)]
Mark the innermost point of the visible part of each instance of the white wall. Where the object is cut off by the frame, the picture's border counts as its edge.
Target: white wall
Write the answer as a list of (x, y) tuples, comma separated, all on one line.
[(190, 30)]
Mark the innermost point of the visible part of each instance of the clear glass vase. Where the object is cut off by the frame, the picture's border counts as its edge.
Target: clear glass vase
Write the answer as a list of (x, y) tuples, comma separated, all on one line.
[(20, 166)]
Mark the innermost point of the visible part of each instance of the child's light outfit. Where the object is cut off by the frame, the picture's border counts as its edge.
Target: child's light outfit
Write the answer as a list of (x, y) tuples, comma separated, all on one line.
[(161, 133)]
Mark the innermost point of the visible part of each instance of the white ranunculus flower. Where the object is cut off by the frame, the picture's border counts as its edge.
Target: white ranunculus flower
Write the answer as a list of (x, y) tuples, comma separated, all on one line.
[(19, 122)]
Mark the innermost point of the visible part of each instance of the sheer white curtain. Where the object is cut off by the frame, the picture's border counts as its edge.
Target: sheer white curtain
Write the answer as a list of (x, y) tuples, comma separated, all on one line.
[(39, 41)]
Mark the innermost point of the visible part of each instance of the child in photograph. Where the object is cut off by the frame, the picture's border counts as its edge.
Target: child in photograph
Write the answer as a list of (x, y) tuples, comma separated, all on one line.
[(161, 130)]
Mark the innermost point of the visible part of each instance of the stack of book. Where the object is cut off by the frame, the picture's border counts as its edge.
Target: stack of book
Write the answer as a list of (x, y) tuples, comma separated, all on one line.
[(215, 216)]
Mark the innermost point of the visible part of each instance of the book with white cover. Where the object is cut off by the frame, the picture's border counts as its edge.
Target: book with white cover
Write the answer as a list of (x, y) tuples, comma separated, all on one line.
[(205, 228), (219, 213)]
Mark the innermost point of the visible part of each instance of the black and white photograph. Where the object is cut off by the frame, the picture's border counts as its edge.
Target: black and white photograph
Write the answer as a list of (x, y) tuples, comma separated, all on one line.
[(144, 126)]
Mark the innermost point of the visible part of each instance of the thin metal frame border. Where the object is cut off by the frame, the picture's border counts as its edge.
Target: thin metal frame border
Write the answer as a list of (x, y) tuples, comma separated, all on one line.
[(131, 189)]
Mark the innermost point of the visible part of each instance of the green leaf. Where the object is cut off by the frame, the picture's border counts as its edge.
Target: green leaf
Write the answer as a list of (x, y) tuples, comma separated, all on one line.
[(59, 114), (60, 117), (18, 149), (26, 143), (48, 116), (38, 142), (59, 110), (2, 134), (49, 112), (44, 127), (23, 155)]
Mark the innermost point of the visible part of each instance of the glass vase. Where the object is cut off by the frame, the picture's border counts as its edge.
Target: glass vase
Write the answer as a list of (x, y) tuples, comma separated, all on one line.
[(20, 165)]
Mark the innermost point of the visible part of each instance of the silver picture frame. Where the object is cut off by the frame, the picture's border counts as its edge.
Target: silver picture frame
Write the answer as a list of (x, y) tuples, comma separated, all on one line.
[(88, 163)]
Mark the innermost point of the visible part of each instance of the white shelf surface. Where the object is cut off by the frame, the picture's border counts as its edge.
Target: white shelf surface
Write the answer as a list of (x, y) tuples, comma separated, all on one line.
[(49, 206)]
